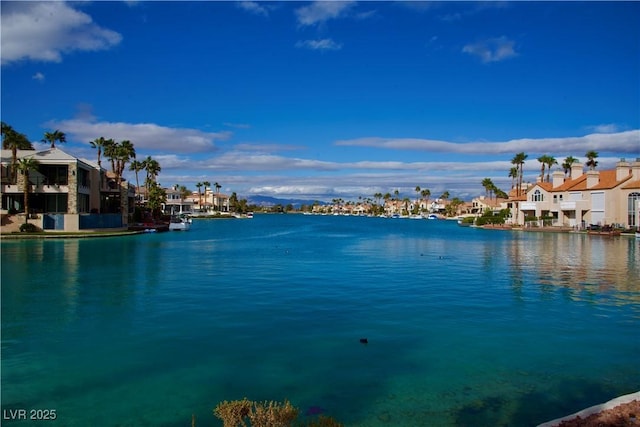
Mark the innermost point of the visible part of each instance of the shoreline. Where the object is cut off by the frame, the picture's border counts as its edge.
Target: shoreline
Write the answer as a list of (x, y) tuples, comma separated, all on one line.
[(580, 416), (65, 235)]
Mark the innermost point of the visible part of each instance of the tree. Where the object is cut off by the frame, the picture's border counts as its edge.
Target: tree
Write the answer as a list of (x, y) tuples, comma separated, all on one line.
[(119, 154), (217, 187), (199, 186), (568, 162), (452, 208), (426, 193), (519, 160), (153, 169), (591, 159), (445, 195), (157, 196), (124, 153), (550, 161), (488, 186), (25, 166), (513, 174), (136, 166), (52, 137), (100, 144), (183, 191), (543, 163), (206, 184), (14, 141)]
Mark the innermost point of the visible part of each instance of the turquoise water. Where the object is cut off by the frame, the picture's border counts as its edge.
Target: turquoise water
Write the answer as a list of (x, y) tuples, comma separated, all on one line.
[(465, 326)]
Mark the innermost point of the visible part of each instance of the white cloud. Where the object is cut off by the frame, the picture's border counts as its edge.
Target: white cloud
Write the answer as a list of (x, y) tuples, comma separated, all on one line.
[(323, 44), (43, 31), (38, 76), (321, 11), (492, 50), (145, 136), (253, 7), (623, 142), (604, 128)]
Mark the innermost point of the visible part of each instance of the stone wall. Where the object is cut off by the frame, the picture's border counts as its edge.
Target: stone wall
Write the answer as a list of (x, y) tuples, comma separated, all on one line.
[(72, 197)]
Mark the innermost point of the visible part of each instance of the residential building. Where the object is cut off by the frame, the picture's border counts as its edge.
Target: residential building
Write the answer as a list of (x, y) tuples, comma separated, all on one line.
[(66, 193), (176, 204), (607, 197)]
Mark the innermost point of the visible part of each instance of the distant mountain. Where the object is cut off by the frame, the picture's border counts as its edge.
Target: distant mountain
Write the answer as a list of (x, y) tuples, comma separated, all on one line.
[(272, 201)]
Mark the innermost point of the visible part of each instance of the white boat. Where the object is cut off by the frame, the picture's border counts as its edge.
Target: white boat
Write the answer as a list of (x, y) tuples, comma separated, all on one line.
[(248, 215), (180, 223), (433, 216)]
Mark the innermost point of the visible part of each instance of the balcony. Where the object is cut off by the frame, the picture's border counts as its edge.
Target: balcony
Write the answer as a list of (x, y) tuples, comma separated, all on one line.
[(528, 206), (573, 205)]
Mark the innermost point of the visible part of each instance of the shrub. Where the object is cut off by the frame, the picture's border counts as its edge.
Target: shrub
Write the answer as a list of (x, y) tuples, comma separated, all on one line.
[(264, 414), (28, 228)]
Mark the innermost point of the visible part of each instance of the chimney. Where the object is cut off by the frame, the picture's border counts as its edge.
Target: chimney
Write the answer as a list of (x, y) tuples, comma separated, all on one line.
[(557, 178), (623, 169), (576, 170), (635, 170), (593, 177)]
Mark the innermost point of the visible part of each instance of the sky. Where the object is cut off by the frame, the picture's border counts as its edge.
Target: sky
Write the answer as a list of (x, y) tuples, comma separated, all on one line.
[(325, 100)]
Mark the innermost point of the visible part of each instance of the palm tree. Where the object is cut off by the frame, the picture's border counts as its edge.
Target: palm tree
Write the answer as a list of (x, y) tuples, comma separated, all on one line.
[(218, 187), (110, 151), (426, 193), (518, 160), (14, 141), (550, 161), (591, 159), (206, 184), (488, 186), (568, 162), (199, 186), (153, 169), (100, 144), (52, 137), (513, 174), (136, 166), (125, 153), (26, 165), (444, 195), (543, 162)]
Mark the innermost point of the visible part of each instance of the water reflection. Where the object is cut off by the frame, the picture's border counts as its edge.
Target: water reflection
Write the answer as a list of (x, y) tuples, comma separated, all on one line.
[(585, 264)]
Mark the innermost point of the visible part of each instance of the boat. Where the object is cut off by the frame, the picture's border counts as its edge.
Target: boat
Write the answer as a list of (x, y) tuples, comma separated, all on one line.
[(433, 216), (180, 223), (149, 227), (605, 230), (248, 215)]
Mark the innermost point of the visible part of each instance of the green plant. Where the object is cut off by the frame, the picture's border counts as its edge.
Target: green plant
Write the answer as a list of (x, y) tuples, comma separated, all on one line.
[(28, 228)]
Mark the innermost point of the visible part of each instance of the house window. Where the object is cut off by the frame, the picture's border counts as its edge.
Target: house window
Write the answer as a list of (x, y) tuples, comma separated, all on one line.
[(537, 196), (55, 203), (55, 174), (83, 203), (632, 202), (83, 178)]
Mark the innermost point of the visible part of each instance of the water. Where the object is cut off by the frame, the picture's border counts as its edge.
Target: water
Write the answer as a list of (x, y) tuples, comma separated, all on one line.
[(465, 326)]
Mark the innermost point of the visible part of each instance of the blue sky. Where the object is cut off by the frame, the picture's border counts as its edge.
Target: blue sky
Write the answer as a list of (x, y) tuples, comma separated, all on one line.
[(322, 100)]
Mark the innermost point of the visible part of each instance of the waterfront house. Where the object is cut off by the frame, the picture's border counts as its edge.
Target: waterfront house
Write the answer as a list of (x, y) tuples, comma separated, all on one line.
[(208, 201), (175, 204), (66, 193), (607, 197)]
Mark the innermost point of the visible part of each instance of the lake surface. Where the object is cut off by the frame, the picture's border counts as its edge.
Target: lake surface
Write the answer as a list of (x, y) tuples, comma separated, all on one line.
[(464, 326)]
